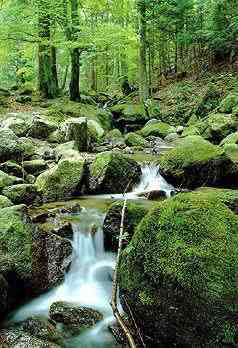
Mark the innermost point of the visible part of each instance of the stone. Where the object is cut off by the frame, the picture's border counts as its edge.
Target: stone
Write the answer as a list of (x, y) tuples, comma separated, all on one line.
[(228, 103), (113, 172), (9, 145), (8, 180), (136, 140), (74, 318), (76, 129), (12, 168), (5, 202), (159, 129), (171, 137), (195, 162), (41, 128), (179, 273), (61, 181), (21, 193), (35, 167)]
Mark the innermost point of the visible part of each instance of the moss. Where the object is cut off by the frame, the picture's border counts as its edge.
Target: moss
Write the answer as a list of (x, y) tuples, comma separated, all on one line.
[(230, 139), (112, 172), (134, 139), (54, 114), (61, 181), (131, 112), (7, 180), (183, 259), (213, 128), (232, 151), (5, 202), (228, 103), (22, 193), (159, 129), (35, 166), (15, 241), (114, 136)]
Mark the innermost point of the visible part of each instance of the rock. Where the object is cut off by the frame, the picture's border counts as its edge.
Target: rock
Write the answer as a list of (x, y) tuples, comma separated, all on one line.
[(15, 252), (179, 273), (195, 162), (63, 150), (35, 167), (27, 147), (129, 114), (214, 128), (179, 130), (23, 99), (114, 137), (41, 128), (30, 179), (154, 195), (113, 173), (226, 196), (74, 318), (8, 180), (61, 228), (230, 139), (152, 121), (21, 193), (128, 150), (134, 139), (76, 129), (4, 92), (12, 168), (42, 328), (228, 103), (171, 137), (5, 202), (111, 226), (51, 256), (9, 145), (19, 126), (61, 181), (159, 129), (231, 151), (17, 338), (3, 297)]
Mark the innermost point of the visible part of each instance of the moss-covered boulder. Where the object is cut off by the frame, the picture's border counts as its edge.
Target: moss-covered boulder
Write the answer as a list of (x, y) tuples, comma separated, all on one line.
[(5, 202), (214, 128), (230, 139), (129, 113), (111, 227), (21, 193), (179, 274), (41, 128), (134, 139), (195, 162), (74, 318), (28, 147), (228, 103), (112, 172), (8, 180), (12, 168), (232, 152), (9, 145), (114, 137), (18, 125), (61, 181), (226, 196), (159, 129), (35, 167)]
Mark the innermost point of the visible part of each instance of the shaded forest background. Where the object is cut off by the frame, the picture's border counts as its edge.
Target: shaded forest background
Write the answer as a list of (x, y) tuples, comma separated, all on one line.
[(75, 46)]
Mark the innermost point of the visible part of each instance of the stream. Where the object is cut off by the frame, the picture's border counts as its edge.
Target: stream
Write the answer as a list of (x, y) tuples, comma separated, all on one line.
[(89, 279)]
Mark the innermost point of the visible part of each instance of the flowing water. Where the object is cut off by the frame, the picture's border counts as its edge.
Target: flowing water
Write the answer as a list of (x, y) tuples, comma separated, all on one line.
[(89, 279)]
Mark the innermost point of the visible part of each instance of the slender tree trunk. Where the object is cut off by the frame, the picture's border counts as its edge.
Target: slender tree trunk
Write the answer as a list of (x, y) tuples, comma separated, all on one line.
[(143, 50), (47, 72), (74, 88)]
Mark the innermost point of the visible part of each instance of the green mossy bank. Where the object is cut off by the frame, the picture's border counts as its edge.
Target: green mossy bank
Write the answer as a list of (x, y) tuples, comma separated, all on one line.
[(179, 273)]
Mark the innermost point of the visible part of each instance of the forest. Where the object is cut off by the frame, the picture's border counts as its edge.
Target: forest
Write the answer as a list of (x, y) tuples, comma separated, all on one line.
[(118, 173)]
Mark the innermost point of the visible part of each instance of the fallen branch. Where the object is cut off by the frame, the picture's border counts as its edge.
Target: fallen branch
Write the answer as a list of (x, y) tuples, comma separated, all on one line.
[(114, 306)]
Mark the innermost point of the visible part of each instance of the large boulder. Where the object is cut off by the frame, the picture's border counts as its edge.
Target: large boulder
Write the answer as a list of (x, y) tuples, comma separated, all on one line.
[(76, 129), (228, 103), (35, 167), (61, 181), (31, 261), (112, 172), (214, 128), (12, 168), (111, 227), (195, 162), (41, 128), (21, 193), (158, 129), (8, 180), (179, 274), (74, 318), (114, 137), (9, 145), (230, 139), (134, 139), (18, 125)]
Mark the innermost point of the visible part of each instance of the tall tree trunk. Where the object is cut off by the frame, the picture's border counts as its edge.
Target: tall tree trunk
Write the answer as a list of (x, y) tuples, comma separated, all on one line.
[(74, 88), (143, 50), (47, 72)]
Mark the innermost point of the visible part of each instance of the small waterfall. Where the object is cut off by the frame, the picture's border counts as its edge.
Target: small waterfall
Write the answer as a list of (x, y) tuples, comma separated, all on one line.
[(87, 283)]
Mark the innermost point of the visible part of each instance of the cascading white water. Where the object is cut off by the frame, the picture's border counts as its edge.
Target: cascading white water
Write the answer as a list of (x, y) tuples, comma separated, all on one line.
[(87, 283)]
